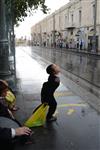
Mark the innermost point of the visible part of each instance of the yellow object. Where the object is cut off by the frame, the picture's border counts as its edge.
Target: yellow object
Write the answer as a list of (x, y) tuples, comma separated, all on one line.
[(73, 105), (38, 117), (10, 97), (70, 111)]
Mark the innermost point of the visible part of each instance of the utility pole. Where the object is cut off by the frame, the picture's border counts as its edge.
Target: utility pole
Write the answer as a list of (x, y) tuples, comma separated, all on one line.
[(94, 34), (4, 48)]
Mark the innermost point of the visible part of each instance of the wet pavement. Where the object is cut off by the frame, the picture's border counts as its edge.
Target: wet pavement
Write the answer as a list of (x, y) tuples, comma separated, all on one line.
[(78, 124), (84, 67)]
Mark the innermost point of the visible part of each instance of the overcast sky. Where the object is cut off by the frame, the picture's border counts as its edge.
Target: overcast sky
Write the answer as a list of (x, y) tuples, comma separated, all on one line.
[(24, 28)]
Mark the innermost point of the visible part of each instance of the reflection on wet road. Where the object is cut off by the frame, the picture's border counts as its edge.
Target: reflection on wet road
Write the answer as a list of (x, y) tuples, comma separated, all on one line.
[(84, 66), (77, 126)]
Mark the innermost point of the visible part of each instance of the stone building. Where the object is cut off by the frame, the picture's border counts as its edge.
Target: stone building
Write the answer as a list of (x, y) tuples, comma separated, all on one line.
[(71, 26)]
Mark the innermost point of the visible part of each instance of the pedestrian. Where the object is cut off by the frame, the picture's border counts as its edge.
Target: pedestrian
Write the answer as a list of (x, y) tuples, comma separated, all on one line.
[(48, 89), (7, 95), (80, 44), (8, 134)]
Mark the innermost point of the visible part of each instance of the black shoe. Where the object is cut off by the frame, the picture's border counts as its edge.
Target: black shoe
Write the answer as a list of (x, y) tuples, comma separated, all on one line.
[(52, 119)]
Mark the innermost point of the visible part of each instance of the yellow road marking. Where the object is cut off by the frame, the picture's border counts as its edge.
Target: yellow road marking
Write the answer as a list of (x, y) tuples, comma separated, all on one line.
[(65, 93), (75, 105), (70, 111)]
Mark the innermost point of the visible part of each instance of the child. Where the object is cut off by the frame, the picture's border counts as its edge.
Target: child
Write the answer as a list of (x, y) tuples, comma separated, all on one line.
[(7, 96), (48, 89)]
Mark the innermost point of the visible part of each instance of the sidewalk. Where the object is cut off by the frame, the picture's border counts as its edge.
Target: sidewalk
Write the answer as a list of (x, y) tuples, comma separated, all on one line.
[(77, 126)]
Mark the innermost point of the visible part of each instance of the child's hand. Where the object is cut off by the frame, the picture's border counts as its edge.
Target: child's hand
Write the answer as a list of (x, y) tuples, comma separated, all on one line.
[(45, 104)]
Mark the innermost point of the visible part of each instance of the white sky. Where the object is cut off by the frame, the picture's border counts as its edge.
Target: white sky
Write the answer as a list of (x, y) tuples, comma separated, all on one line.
[(24, 27)]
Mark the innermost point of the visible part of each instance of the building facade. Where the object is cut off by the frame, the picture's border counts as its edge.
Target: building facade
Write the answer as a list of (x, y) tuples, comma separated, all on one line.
[(71, 26)]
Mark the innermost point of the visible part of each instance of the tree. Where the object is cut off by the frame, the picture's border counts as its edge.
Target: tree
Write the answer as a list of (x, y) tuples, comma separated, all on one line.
[(20, 8), (11, 12)]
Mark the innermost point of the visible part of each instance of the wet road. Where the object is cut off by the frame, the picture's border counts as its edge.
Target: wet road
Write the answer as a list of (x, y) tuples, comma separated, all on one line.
[(77, 126), (84, 66), (79, 66)]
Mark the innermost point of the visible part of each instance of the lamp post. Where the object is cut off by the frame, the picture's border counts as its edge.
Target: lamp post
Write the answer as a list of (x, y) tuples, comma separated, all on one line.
[(4, 49), (94, 34)]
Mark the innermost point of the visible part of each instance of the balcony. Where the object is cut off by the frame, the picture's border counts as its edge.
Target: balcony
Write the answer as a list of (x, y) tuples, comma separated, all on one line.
[(70, 26)]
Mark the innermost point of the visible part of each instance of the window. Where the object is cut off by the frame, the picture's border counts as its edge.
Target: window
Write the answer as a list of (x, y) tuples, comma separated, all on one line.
[(72, 18), (93, 11), (71, 32), (66, 21), (80, 17)]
